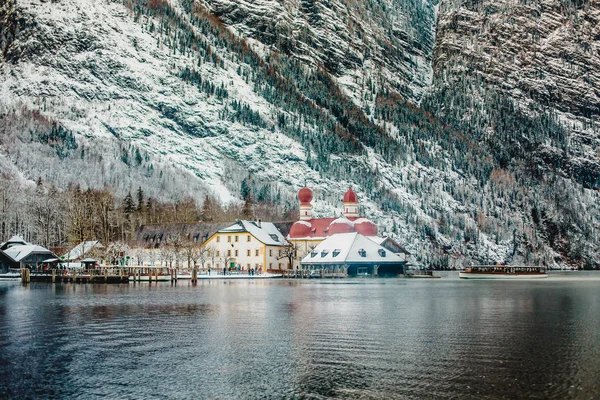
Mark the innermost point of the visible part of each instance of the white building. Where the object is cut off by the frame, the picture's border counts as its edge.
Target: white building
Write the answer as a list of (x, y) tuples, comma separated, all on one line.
[(245, 245), (82, 250), (355, 252)]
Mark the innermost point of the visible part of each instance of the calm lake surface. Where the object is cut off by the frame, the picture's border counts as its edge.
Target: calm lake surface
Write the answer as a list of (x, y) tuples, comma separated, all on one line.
[(361, 338)]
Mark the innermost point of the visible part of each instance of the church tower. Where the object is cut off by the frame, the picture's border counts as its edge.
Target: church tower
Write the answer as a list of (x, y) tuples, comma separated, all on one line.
[(350, 204), (305, 196)]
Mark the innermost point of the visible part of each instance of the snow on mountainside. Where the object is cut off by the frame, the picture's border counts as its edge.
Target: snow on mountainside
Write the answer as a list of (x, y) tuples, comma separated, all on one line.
[(545, 51), (363, 43), (186, 98), (107, 75), (89, 66), (543, 54)]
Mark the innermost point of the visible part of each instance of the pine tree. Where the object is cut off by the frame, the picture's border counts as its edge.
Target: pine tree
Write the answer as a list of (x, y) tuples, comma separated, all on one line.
[(248, 211), (140, 199), (206, 214), (245, 190), (128, 205)]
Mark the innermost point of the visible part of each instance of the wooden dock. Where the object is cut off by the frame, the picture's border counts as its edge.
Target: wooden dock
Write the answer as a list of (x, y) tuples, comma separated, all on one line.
[(79, 276)]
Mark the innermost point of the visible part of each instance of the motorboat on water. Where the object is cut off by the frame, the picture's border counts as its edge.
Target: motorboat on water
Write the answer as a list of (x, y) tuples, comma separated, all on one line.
[(502, 272)]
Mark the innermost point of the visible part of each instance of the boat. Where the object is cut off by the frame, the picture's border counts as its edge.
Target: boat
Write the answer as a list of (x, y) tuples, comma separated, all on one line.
[(502, 272)]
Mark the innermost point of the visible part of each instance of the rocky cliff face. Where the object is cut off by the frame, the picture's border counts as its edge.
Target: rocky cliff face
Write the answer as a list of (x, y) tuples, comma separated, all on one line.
[(362, 43), (541, 51)]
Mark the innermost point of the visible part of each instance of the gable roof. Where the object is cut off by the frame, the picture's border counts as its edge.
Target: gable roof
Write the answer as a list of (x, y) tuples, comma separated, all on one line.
[(17, 253), (16, 240), (389, 243), (266, 233), (350, 248), (81, 249), (155, 235)]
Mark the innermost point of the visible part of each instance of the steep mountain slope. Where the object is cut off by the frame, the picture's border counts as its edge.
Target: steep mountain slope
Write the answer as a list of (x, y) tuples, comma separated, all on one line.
[(542, 51), (543, 56), (362, 43), (186, 98)]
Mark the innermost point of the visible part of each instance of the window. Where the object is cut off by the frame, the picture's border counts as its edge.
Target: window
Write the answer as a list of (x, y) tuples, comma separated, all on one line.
[(248, 252), (324, 253), (237, 238), (279, 252), (256, 253), (314, 253), (228, 253), (218, 239), (270, 252), (208, 265), (270, 265), (249, 238), (228, 239), (218, 253), (382, 252), (248, 266), (335, 253), (236, 253), (279, 265), (362, 252)]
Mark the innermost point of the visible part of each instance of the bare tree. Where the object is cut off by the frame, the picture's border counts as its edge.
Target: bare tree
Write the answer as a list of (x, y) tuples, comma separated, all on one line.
[(289, 252), (116, 251), (212, 255), (203, 255), (226, 258), (175, 245), (191, 252)]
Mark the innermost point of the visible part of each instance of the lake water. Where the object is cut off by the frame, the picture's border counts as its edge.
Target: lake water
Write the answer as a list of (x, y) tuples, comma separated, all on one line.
[(361, 338)]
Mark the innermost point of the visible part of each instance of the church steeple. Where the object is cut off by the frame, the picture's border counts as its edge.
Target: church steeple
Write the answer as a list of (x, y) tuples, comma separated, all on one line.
[(350, 204), (305, 196)]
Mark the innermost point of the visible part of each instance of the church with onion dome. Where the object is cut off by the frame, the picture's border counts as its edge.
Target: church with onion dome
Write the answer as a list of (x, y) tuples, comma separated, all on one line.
[(308, 232)]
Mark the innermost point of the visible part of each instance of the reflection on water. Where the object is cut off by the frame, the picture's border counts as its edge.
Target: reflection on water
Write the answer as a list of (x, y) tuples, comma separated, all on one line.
[(375, 339)]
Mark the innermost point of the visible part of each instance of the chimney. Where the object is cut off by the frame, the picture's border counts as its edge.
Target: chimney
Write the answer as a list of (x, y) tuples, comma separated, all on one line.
[(259, 222)]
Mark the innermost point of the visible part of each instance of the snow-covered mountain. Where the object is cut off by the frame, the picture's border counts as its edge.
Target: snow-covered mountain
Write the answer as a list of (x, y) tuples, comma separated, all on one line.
[(361, 43), (460, 144)]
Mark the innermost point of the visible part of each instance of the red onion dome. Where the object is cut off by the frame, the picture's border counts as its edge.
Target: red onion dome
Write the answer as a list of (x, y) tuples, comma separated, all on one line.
[(305, 196), (365, 227), (341, 225), (300, 229), (350, 197)]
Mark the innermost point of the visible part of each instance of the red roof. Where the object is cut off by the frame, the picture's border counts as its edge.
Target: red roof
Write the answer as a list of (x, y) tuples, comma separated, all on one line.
[(322, 227), (366, 228), (350, 197)]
